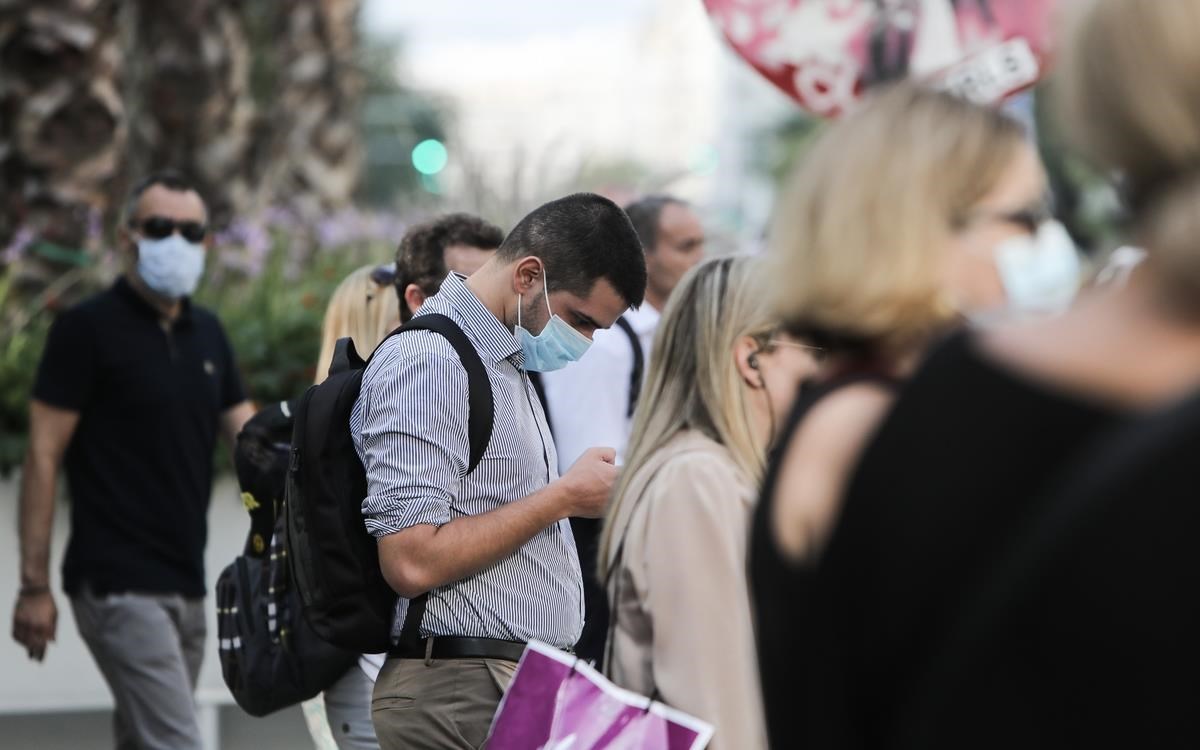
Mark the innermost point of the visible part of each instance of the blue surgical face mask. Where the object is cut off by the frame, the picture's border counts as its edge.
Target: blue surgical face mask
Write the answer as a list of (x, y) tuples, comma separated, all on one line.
[(1041, 272), (556, 346), (171, 266)]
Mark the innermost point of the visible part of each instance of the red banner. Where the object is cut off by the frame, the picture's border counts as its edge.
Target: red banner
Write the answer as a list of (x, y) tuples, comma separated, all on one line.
[(826, 53)]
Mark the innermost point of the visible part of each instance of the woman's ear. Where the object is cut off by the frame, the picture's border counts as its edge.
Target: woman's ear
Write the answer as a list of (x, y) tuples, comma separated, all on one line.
[(414, 297), (746, 356)]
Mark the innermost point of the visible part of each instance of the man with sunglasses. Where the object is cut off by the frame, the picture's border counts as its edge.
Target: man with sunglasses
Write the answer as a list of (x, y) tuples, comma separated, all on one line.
[(133, 387)]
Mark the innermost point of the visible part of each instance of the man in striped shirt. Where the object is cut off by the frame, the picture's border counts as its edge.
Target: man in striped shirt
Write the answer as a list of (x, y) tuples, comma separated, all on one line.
[(492, 547)]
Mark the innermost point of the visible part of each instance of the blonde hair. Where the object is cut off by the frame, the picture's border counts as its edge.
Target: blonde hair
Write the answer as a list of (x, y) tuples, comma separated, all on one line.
[(858, 241), (361, 309), (1129, 94), (693, 380)]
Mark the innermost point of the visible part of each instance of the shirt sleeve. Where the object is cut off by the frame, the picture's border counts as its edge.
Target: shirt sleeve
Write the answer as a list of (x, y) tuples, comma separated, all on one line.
[(414, 440), (589, 399), (66, 375), (693, 581), (232, 390)]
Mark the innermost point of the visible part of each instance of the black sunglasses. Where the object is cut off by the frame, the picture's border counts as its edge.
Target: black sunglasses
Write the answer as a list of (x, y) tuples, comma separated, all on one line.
[(159, 227), (384, 275)]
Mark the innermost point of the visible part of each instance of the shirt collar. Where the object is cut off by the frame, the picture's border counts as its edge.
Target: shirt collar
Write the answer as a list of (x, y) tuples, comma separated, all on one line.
[(644, 319), (491, 336), (123, 289)]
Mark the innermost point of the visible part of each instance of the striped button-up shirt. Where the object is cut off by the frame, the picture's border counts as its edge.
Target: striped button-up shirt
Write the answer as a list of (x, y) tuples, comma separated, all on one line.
[(410, 430)]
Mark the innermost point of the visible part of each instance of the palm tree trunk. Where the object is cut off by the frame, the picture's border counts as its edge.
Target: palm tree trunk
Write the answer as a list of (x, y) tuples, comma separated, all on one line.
[(62, 132), (187, 92), (316, 161)]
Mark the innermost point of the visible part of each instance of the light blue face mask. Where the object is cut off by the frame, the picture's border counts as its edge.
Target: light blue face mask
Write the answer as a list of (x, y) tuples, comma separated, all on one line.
[(557, 346), (1040, 273), (171, 266)]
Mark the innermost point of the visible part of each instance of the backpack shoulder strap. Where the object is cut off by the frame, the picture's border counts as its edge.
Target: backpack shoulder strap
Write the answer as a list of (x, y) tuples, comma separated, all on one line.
[(479, 428), (345, 357), (639, 364), (479, 388)]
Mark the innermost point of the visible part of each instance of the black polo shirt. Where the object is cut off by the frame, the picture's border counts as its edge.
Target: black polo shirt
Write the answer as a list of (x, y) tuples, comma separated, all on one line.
[(139, 467)]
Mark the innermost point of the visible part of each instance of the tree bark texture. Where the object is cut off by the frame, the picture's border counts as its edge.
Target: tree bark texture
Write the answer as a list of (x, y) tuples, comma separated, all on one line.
[(315, 161), (62, 128), (187, 89), (257, 100)]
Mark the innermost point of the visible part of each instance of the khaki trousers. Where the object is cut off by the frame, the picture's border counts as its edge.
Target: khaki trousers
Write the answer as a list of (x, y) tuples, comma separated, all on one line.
[(438, 704)]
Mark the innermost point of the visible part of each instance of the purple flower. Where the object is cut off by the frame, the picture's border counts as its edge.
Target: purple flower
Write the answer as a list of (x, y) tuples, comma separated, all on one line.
[(279, 216), (330, 231), (20, 241), (95, 226)]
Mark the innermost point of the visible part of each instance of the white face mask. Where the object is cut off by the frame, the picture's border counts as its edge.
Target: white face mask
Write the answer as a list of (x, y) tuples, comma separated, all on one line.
[(1041, 272), (171, 266)]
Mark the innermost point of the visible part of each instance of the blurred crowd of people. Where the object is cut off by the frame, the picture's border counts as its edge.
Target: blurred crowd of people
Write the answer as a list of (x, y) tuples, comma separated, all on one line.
[(917, 477)]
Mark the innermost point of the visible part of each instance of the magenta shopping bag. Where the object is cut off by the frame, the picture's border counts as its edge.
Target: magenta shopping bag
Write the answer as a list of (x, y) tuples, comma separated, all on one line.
[(556, 702)]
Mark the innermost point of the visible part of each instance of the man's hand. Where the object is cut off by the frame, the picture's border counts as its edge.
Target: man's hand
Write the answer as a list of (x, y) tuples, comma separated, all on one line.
[(423, 557), (35, 621), (589, 482)]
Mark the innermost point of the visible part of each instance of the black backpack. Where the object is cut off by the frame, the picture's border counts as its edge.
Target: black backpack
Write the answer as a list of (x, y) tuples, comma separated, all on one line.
[(270, 657), (638, 373), (334, 559)]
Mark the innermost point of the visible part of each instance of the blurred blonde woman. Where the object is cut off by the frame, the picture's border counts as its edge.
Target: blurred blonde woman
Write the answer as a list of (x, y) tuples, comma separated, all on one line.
[(365, 308), (673, 550), (896, 225), (956, 624)]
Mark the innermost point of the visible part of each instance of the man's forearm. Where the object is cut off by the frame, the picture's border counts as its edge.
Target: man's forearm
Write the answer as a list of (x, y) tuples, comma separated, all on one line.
[(36, 519), (424, 557)]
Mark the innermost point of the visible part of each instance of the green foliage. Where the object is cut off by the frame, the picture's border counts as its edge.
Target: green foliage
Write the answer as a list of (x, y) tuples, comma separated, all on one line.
[(272, 282), (1086, 201), (783, 146), (274, 323), (19, 352)]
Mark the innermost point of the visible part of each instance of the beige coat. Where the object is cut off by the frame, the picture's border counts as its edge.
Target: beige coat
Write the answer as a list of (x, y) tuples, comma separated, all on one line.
[(679, 592)]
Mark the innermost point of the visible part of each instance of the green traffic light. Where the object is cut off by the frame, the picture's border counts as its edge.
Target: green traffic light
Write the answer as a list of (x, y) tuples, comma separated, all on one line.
[(430, 156)]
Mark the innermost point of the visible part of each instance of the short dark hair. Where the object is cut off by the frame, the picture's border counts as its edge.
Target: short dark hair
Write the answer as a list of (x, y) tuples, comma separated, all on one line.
[(582, 238), (421, 256), (645, 213), (168, 178)]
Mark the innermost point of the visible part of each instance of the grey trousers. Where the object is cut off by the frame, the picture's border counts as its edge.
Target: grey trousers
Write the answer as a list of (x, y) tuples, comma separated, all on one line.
[(443, 704), (348, 709), (149, 648)]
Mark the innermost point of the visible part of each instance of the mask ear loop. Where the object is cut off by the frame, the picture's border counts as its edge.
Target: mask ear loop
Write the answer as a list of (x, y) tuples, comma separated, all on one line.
[(546, 292)]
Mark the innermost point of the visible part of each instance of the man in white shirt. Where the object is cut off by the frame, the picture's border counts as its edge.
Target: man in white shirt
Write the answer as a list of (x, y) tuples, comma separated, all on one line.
[(591, 401)]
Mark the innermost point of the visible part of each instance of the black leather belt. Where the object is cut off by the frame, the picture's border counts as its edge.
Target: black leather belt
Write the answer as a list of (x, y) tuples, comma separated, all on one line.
[(460, 648)]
